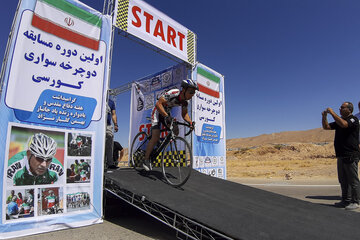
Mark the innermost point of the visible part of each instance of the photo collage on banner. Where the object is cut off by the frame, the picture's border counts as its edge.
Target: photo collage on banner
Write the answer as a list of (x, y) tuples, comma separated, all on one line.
[(36, 188), (209, 143), (52, 104)]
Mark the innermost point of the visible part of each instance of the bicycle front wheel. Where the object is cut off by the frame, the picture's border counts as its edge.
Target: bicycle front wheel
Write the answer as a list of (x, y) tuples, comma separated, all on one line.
[(177, 162), (137, 150)]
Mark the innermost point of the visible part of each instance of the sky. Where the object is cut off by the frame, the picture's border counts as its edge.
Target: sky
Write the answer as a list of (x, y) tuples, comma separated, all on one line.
[(284, 61)]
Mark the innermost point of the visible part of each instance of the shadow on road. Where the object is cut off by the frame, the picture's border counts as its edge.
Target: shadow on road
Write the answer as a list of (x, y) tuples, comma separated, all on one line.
[(330, 198)]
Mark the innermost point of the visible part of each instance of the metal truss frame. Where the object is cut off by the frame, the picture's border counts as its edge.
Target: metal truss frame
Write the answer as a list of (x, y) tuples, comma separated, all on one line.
[(185, 227)]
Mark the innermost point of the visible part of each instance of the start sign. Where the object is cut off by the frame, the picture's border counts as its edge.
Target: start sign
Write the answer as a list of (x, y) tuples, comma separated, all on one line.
[(147, 23)]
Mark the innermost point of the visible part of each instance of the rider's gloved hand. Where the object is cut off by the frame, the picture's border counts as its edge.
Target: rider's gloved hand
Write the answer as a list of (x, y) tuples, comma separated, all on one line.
[(168, 120), (192, 125)]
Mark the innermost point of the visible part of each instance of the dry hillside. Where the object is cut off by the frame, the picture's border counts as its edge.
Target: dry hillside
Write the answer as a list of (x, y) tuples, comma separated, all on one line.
[(310, 136), (286, 155)]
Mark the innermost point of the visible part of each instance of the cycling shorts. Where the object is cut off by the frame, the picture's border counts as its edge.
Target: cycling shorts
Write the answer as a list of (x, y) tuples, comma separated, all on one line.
[(157, 120)]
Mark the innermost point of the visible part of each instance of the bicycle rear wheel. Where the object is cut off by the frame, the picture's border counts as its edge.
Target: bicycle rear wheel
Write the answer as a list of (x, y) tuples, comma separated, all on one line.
[(177, 162), (137, 150)]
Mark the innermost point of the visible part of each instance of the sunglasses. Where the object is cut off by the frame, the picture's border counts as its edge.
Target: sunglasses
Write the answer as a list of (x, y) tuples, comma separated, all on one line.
[(39, 159)]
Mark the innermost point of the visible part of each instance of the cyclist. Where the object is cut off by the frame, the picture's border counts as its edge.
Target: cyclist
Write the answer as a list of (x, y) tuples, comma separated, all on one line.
[(25, 207), (36, 165), (51, 201), (161, 113), (84, 165)]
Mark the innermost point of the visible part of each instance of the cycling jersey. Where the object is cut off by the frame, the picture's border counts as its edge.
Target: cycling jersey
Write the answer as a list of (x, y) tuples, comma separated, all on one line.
[(18, 171), (172, 98), (83, 175), (85, 166), (26, 207), (51, 200), (79, 141)]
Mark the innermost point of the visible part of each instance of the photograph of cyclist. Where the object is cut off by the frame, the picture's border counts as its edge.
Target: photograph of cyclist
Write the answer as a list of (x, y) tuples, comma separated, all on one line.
[(26, 209), (161, 113), (51, 201), (37, 164), (79, 144), (76, 200), (78, 172), (25, 205)]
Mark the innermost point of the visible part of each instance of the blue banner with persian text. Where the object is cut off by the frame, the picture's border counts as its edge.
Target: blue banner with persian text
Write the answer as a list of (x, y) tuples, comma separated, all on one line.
[(209, 139), (52, 118)]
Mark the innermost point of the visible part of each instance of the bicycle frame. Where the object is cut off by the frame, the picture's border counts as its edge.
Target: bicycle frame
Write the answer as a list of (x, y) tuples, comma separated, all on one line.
[(173, 151), (163, 143), (167, 139)]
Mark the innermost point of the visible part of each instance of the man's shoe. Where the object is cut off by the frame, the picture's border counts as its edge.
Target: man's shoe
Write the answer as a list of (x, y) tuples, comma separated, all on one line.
[(352, 206), (342, 204), (147, 165)]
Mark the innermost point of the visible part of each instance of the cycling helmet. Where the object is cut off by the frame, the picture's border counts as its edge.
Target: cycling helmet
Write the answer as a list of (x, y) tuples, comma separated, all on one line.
[(42, 146), (186, 83)]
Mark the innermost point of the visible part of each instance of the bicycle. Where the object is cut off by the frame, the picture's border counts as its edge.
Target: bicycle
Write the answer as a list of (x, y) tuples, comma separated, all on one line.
[(174, 151)]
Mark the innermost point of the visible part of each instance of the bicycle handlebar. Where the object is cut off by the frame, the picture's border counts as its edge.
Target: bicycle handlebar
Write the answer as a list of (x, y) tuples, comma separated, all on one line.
[(186, 125)]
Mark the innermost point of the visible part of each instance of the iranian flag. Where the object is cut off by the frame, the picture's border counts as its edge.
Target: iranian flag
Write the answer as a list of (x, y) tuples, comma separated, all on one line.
[(68, 21), (208, 83)]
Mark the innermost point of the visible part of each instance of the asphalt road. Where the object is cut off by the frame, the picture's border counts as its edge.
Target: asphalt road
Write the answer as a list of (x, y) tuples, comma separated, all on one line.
[(325, 192), (125, 222)]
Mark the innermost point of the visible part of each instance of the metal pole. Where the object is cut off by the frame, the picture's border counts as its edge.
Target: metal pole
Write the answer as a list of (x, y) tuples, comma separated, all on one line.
[(108, 10), (104, 6)]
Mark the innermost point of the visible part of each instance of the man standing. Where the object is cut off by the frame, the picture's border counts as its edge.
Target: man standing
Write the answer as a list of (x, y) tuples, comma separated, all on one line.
[(10, 197), (111, 116), (347, 151), (118, 152)]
